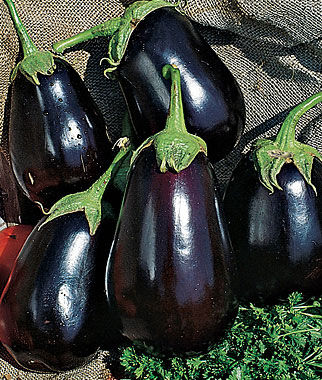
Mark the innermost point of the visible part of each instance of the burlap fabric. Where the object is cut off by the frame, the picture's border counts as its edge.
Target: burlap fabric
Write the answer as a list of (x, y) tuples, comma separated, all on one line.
[(273, 48)]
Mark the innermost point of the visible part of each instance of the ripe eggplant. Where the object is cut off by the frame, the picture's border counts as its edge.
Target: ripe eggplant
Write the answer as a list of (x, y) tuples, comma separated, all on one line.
[(150, 35), (53, 312), (57, 136), (169, 271), (275, 216)]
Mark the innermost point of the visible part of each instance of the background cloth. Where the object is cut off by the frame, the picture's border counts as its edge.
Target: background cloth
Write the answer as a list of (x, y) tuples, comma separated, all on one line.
[(273, 48)]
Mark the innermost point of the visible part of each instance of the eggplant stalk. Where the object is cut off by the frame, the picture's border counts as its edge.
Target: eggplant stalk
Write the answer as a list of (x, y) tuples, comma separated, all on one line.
[(89, 200), (119, 31), (175, 147), (269, 156), (34, 62)]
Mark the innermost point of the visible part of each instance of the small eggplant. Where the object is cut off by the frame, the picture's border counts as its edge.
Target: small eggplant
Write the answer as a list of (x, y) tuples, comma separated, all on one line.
[(53, 312), (57, 136), (150, 35), (275, 216), (169, 271)]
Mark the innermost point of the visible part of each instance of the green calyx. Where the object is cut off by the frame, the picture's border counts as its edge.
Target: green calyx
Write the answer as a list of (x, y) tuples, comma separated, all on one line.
[(269, 156), (90, 200), (131, 18), (175, 147), (118, 30), (40, 62), (34, 62)]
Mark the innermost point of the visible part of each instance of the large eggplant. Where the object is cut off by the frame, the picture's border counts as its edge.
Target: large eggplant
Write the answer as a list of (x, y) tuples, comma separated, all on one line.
[(53, 312), (170, 267), (152, 34), (276, 227), (169, 271), (57, 136)]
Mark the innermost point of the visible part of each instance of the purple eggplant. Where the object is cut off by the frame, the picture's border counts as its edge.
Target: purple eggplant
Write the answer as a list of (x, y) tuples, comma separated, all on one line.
[(170, 267), (150, 35), (53, 313), (57, 136), (275, 216)]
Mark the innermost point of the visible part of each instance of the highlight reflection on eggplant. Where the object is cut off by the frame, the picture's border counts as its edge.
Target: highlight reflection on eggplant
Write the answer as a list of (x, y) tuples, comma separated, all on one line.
[(169, 271), (157, 34), (57, 136)]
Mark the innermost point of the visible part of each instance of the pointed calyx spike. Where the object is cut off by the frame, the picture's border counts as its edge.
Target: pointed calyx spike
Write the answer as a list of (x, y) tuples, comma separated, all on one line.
[(34, 62), (269, 156), (175, 147), (89, 201), (118, 30)]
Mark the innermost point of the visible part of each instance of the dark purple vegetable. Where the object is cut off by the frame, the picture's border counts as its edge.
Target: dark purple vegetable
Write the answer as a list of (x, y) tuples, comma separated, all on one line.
[(57, 137), (157, 34), (276, 232), (53, 313), (169, 272), (277, 237)]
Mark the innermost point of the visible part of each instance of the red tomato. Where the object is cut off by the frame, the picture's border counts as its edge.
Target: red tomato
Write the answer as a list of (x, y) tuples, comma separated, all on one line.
[(11, 241)]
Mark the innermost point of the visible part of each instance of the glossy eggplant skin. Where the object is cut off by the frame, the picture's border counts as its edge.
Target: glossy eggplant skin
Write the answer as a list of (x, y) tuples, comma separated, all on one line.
[(277, 238), (57, 136), (212, 101), (54, 315), (168, 276)]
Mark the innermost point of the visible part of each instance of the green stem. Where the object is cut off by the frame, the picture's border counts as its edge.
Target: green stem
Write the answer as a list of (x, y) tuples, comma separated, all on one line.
[(175, 147), (315, 353), (286, 134), (27, 44), (175, 119), (89, 201), (298, 332), (270, 155), (312, 315), (99, 186), (106, 29), (35, 61), (118, 31)]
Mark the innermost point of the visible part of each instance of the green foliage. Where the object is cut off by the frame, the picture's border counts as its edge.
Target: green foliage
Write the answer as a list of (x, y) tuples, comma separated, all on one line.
[(274, 342)]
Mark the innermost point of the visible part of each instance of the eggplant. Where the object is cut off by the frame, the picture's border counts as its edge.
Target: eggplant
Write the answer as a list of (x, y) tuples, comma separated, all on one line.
[(57, 136), (53, 313), (157, 34), (275, 217), (169, 272)]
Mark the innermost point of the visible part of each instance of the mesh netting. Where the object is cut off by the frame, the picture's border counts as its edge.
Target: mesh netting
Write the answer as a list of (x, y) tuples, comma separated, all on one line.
[(274, 50)]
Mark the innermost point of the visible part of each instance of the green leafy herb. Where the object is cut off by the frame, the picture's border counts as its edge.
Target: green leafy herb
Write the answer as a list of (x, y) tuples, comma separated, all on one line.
[(274, 342)]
